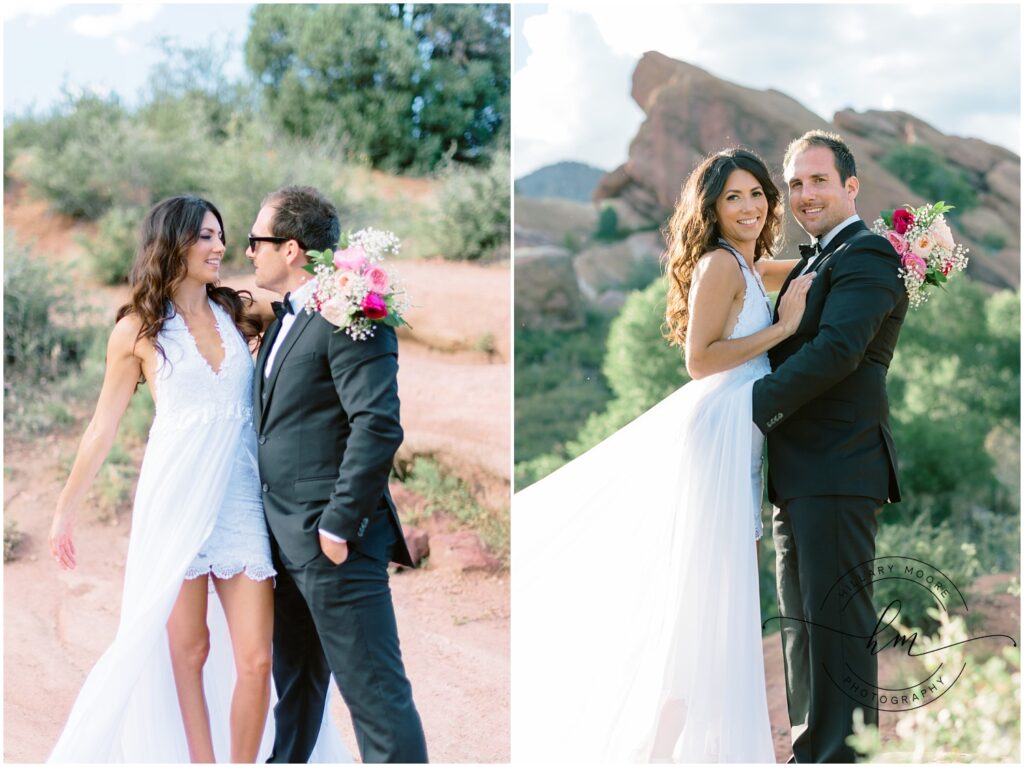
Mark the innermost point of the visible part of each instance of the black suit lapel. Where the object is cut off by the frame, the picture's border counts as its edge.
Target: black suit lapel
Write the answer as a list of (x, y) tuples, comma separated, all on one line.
[(266, 344), (842, 236), (846, 234), (302, 320)]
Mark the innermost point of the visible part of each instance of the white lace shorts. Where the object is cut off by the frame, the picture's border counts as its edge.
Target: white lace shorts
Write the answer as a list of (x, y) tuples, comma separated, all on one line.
[(239, 541)]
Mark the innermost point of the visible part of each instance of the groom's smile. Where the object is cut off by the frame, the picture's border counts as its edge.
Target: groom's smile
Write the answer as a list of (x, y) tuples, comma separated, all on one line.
[(818, 198)]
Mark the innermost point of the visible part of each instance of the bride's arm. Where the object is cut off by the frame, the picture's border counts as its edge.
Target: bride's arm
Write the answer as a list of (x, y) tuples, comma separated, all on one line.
[(717, 281), (123, 371), (774, 271)]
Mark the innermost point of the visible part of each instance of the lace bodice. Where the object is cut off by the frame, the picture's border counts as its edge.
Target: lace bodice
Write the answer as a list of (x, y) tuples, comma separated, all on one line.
[(755, 315), (189, 392)]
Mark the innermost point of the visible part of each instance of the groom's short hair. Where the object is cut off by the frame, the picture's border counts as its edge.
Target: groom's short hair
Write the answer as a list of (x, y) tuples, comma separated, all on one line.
[(304, 213), (845, 163)]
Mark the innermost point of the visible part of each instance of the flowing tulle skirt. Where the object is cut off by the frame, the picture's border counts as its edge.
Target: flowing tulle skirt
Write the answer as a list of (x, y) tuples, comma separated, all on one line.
[(637, 622), (127, 710)]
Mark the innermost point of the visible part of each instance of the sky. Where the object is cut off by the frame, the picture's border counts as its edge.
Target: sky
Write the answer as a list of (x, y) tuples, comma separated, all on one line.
[(955, 66), (104, 48)]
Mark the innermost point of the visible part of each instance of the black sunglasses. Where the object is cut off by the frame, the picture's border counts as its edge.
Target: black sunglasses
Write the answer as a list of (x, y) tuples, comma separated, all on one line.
[(253, 239)]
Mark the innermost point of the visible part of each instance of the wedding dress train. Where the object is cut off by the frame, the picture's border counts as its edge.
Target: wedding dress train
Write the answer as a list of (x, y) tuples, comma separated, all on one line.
[(127, 710), (637, 587)]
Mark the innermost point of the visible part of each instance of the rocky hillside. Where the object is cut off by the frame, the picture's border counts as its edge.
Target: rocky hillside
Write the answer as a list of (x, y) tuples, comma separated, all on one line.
[(567, 180), (691, 113)]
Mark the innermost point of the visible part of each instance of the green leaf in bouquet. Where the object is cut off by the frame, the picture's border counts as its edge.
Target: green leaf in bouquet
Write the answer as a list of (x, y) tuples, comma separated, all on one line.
[(886, 216), (311, 268), (343, 240)]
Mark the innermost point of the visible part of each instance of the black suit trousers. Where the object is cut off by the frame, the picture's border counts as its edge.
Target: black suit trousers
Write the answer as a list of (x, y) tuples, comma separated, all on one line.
[(818, 540), (340, 619)]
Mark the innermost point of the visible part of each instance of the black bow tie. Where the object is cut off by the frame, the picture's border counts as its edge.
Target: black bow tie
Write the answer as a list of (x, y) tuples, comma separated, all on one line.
[(808, 252), (281, 308)]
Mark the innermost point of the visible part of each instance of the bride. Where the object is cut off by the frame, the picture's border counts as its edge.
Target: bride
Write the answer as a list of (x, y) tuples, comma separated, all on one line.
[(636, 578), (188, 674)]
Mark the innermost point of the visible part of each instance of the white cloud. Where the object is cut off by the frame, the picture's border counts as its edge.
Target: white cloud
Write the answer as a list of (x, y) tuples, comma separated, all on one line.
[(953, 67), (571, 99), (122, 20)]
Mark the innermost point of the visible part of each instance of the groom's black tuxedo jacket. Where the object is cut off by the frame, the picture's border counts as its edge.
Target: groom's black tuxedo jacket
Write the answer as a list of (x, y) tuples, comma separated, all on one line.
[(327, 423), (824, 407)]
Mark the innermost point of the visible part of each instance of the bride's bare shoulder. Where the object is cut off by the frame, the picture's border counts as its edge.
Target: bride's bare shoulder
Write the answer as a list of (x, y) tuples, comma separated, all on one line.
[(125, 340), (717, 263)]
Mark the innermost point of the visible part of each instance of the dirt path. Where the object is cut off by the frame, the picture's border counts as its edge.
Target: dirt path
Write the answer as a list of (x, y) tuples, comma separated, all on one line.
[(454, 629)]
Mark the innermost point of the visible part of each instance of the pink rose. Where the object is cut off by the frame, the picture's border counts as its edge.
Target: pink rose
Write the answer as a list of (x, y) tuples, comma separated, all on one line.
[(941, 234), (374, 307), (897, 241), (916, 264), (343, 278), (377, 279), (902, 220), (350, 259), (335, 311), (922, 245)]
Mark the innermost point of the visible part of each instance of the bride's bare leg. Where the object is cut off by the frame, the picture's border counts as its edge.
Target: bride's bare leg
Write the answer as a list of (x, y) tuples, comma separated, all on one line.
[(249, 608), (670, 724), (190, 645)]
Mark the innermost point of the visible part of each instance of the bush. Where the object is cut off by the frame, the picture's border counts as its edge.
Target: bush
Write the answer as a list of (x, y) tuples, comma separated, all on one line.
[(607, 224), (558, 384), (993, 241), (35, 347), (252, 162), (71, 150), (13, 539), (111, 252), (976, 720), (922, 169), (447, 493), (959, 356), (974, 542), (475, 203), (640, 366)]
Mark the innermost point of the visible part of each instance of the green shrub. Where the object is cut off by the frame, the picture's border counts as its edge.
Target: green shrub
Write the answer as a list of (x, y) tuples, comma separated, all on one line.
[(446, 493), (475, 203), (976, 720), (36, 348), (640, 366), (993, 241), (607, 224), (13, 539), (252, 162), (558, 385), (972, 543), (926, 172), (111, 252)]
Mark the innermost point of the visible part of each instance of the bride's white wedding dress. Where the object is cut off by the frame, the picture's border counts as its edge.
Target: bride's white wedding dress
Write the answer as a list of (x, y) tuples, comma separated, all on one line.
[(637, 615), (194, 512)]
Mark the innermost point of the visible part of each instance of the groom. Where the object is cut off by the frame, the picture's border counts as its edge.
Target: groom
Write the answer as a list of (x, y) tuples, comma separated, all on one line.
[(831, 457), (326, 415)]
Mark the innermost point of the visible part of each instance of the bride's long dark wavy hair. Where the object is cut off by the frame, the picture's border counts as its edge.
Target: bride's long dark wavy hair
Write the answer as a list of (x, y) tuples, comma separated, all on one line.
[(170, 228), (693, 229)]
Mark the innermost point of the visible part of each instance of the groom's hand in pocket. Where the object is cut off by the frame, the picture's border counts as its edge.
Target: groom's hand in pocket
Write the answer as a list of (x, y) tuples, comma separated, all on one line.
[(335, 551)]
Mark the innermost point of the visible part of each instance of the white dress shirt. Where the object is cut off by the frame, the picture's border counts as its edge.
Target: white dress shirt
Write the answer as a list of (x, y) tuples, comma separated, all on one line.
[(297, 299), (822, 242)]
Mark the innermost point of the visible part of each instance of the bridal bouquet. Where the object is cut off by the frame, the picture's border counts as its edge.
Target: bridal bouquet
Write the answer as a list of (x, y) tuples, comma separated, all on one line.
[(925, 244), (354, 290)]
